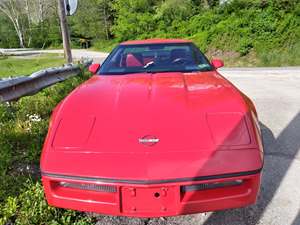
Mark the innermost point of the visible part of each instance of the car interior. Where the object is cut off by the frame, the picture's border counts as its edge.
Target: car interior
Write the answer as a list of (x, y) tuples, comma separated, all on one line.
[(156, 58), (136, 59)]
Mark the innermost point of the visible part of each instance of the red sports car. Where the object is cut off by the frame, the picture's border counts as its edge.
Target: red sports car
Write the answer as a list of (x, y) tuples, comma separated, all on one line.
[(157, 131)]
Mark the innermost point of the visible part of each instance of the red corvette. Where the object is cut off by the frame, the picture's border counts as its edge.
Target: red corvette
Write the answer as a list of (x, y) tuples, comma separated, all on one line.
[(157, 131)]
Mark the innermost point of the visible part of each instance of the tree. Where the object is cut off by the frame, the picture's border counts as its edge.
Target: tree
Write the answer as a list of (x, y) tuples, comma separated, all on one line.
[(8, 37), (93, 19), (106, 12), (13, 10), (31, 19), (208, 3), (171, 10), (134, 18)]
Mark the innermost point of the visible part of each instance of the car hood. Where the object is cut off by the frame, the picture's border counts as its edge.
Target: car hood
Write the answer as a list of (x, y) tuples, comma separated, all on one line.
[(111, 113), (107, 116)]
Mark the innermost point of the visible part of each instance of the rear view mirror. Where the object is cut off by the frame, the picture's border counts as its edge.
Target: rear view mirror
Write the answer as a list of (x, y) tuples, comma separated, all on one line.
[(217, 63), (94, 68)]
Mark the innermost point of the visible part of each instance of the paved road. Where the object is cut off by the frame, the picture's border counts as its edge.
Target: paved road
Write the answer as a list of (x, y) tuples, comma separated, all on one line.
[(276, 94), (77, 53)]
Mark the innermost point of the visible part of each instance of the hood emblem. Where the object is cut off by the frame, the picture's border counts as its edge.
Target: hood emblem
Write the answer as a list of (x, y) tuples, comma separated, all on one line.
[(149, 140)]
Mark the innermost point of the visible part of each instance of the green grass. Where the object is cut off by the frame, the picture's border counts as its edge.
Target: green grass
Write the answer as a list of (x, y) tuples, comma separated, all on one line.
[(103, 45), (23, 127), (274, 58), (16, 66)]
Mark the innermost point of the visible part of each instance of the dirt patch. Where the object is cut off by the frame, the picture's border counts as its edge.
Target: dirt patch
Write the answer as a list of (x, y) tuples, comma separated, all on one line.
[(217, 53), (233, 59), (24, 169)]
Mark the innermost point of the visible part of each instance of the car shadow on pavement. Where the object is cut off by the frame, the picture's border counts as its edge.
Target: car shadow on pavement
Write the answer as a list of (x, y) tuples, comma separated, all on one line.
[(279, 155), (297, 220)]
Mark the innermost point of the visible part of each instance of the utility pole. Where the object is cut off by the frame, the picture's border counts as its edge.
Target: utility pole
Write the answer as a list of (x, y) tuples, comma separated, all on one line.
[(64, 30)]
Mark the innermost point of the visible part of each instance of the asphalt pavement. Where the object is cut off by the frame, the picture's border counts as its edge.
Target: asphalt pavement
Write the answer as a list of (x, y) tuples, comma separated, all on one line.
[(276, 94), (76, 53)]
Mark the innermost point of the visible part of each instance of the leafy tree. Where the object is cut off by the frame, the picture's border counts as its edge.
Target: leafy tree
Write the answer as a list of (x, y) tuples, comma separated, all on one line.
[(8, 37), (13, 10), (171, 10), (93, 19), (30, 19), (133, 18)]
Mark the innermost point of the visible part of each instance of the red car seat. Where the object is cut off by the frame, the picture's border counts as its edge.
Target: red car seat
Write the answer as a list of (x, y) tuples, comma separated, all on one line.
[(133, 61)]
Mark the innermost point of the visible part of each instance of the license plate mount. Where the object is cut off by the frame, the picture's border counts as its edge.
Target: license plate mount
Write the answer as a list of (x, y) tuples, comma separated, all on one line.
[(149, 199)]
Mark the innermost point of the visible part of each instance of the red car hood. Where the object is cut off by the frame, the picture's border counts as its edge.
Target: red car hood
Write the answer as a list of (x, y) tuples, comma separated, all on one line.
[(192, 116)]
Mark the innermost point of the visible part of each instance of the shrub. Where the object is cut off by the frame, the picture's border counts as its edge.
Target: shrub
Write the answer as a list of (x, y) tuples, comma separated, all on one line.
[(30, 208), (245, 46), (239, 25), (23, 126)]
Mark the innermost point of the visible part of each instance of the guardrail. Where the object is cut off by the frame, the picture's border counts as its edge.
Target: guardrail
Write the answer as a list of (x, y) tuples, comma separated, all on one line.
[(14, 88)]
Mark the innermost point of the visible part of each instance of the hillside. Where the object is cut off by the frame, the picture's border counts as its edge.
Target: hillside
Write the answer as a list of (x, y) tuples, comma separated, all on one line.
[(243, 33)]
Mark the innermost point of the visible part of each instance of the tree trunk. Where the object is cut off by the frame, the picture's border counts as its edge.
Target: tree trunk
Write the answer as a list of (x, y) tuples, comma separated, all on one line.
[(206, 4), (105, 22), (29, 23), (21, 39), (41, 11), (15, 20)]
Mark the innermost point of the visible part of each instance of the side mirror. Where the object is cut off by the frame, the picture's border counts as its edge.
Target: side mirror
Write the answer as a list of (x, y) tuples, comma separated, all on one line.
[(94, 68), (217, 63)]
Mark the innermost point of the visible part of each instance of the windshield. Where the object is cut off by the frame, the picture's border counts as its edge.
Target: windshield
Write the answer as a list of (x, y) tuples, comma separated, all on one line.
[(155, 58)]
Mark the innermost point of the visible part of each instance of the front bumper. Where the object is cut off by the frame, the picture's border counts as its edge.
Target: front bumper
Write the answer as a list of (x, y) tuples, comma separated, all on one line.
[(152, 198)]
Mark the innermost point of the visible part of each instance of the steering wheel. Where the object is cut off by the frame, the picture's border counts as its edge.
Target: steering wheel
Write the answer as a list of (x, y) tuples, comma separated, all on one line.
[(180, 61)]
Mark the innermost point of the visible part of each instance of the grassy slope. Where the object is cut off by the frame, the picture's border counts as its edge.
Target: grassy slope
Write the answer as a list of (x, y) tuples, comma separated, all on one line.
[(23, 126), (287, 57), (15, 66), (242, 33)]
